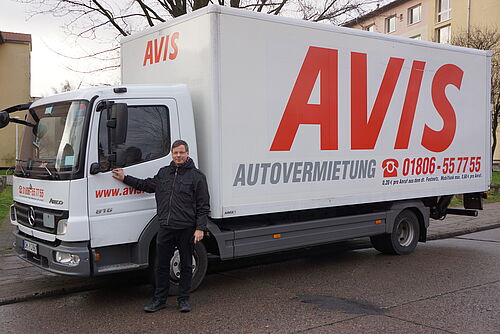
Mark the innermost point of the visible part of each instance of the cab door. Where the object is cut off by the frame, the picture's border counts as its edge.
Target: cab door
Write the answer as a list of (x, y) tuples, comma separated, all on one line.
[(118, 213)]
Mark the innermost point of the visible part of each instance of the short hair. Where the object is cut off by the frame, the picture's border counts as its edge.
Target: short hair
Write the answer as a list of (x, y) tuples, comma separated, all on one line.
[(178, 143)]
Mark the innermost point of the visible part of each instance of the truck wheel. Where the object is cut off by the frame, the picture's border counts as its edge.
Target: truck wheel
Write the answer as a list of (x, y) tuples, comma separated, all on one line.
[(200, 263), (404, 236)]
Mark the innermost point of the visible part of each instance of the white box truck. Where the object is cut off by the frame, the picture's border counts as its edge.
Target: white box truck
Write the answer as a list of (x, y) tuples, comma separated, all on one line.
[(307, 133)]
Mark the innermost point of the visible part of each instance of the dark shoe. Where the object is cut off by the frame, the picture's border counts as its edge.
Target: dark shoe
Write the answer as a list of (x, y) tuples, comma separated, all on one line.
[(184, 306), (155, 305)]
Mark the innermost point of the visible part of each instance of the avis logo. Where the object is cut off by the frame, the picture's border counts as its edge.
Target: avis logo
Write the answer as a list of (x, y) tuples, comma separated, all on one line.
[(366, 124), (161, 49), (390, 167)]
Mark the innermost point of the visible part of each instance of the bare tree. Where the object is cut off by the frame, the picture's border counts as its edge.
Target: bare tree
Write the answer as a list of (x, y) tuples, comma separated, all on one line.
[(64, 87), (108, 20), (88, 18), (334, 11), (486, 38)]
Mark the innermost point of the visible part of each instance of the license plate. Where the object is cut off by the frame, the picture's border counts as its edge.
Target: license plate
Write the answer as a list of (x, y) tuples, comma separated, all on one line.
[(30, 247)]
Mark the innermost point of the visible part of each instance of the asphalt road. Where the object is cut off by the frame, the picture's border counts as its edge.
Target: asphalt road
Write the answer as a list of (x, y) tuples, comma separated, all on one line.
[(446, 286)]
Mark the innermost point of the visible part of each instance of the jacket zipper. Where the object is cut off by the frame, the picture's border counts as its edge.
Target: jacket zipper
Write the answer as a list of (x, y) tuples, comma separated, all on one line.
[(171, 194)]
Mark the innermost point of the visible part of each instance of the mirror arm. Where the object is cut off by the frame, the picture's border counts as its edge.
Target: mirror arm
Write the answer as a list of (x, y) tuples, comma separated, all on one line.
[(18, 107), (23, 122), (5, 119)]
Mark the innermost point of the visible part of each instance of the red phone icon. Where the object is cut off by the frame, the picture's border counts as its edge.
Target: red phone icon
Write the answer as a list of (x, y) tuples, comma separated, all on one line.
[(390, 167)]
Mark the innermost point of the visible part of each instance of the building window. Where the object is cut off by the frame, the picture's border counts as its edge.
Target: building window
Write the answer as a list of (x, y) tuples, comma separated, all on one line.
[(371, 28), (390, 24), (418, 37), (443, 10), (414, 14), (443, 34)]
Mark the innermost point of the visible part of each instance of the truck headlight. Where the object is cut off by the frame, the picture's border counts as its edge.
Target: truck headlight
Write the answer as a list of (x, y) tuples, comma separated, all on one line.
[(62, 226), (13, 214), (67, 259)]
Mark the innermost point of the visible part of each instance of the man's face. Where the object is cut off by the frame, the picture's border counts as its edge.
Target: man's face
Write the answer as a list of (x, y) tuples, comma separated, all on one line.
[(179, 155)]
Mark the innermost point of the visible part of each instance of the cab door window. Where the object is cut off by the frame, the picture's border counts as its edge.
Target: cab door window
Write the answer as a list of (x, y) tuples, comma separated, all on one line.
[(148, 136)]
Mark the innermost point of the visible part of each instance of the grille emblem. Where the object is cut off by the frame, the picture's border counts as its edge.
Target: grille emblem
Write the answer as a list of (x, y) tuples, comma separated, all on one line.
[(31, 216)]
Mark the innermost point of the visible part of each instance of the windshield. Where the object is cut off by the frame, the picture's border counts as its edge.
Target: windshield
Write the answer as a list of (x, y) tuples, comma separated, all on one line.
[(52, 147)]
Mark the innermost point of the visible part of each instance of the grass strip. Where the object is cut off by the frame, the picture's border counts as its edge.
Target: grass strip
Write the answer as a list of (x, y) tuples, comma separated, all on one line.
[(5, 203)]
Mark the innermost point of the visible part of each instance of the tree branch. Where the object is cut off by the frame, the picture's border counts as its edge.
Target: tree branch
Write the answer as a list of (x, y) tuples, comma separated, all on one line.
[(146, 13), (104, 68), (109, 15), (278, 9)]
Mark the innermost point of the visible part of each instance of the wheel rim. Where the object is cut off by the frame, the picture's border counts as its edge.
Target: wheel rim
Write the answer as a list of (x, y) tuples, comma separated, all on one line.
[(175, 266), (406, 233)]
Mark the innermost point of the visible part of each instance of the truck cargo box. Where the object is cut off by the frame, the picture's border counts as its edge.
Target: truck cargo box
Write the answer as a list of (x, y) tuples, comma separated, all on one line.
[(295, 115)]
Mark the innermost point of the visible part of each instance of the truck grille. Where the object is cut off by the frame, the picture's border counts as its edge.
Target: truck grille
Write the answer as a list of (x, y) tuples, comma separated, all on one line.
[(23, 212)]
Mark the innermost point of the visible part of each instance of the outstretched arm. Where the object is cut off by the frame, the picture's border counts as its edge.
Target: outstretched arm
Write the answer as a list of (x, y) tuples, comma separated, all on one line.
[(147, 185)]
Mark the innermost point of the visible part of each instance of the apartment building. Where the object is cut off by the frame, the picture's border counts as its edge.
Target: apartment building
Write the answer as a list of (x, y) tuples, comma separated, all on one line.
[(15, 53), (431, 20), (408, 18)]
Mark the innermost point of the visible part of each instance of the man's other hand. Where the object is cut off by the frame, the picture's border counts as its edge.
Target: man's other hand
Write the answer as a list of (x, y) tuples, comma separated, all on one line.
[(118, 174), (198, 235)]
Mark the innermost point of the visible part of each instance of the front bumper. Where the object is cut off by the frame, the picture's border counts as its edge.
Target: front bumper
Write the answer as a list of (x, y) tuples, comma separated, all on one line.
[(45, 257)]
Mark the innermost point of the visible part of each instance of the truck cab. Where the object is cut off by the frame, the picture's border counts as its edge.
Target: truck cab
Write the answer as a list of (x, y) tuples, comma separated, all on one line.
[(71, 216)]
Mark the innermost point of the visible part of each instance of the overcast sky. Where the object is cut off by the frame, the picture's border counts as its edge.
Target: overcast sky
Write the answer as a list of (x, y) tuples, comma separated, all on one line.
[(48, 69)]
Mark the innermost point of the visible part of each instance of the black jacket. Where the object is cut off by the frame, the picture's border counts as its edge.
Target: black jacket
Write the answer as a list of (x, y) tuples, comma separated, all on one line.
[(182, 198)]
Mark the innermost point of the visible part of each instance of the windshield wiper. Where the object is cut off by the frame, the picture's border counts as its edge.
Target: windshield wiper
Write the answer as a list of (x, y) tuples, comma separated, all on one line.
[(49, 175), (48, 170), (23, 172), (29, 163)]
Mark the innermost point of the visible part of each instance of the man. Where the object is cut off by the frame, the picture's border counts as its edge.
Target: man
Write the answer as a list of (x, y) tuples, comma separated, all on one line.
[(182, 205)]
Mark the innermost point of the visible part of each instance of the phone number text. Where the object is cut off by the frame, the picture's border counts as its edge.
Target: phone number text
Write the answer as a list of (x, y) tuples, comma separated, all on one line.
[(428, 165)]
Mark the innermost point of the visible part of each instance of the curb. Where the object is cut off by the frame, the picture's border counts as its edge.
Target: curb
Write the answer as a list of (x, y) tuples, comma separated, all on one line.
[(452, 234), (97, 283), (49, 293)]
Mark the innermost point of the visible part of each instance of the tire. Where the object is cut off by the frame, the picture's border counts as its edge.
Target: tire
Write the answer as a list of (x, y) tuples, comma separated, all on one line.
[(404, 237), (200, 264)]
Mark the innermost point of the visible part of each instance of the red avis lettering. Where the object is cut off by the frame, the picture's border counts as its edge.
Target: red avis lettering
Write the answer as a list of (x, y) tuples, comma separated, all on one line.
[(298, 111), (364, 131), (161, 49), (410, 105), (438, 141)]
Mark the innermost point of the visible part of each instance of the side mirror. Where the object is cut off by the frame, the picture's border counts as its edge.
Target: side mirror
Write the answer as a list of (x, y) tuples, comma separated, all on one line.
[(117, 123), (95, 168), (4, 119)]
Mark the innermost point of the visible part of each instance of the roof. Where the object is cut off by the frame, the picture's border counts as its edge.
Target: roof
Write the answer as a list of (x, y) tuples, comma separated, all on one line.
[(14, 37), (134, 91), (374, 13)]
